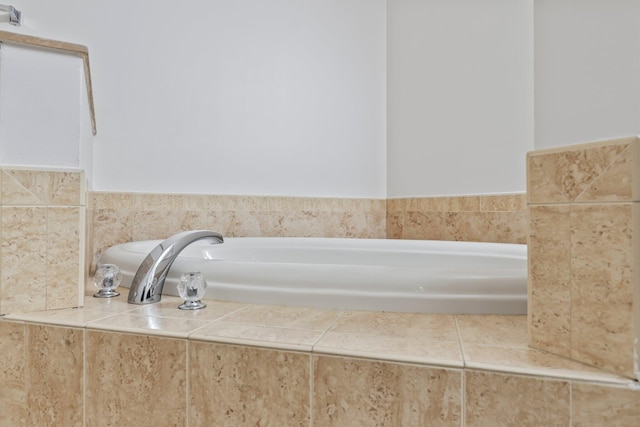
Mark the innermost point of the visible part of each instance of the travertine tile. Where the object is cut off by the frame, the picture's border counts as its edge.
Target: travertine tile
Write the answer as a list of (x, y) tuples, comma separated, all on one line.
[(71, 317), (614, 183), (87, 246), (493, 330), (503, 203), (110, 228), (12, 374), (600, 405), (427, 338), (332, 204), (402, 349), (435, 327), (549, 299), (351, 392), (130, 372), (602, 261), (108, 200), (42, 187), (108, 305), (541, 187), (23, 258), (152, 325), (26, 187), (499, 227), (334, 224), (145, 223), (571, 171), (394, 225), (602, 289), (68, 189), (234, 386), (396, 205), (529, 361), (469, 203), (157, 202), (493, 399), (257, 335), (54, 375), (303, 224), (168, 307), (428, 226), (247, 224), (64, 257), (285, 316), (201, 203)]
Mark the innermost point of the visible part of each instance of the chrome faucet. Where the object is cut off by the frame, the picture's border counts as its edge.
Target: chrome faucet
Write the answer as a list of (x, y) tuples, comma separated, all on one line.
[(146, 286)]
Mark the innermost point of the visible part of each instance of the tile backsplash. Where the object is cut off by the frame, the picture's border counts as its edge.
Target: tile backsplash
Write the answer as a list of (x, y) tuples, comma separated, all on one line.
[(42, 232), (500, 218), (122, 217)]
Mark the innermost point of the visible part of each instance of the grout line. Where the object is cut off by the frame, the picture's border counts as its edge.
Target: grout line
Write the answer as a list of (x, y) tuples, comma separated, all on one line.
[(46, 257), (327, 329), (570, 402), (585, 202), (187, 381), (460, 344), (311, 388), (463, 392), (84, 376)]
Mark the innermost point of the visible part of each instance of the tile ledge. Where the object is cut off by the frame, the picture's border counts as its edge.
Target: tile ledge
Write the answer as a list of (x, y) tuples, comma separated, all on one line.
[(97, 323)]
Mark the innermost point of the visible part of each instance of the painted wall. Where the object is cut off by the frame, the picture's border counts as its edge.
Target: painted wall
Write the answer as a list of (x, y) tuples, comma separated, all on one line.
[(44, 112), (359, 98), (252, 97), (460, 96), (587, 70)]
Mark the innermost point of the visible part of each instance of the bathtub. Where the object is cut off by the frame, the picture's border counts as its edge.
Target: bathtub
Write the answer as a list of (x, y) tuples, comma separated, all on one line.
[(419, 276)]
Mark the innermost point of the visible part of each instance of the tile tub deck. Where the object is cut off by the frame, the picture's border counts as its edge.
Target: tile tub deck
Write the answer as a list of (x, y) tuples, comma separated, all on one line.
[(480, 360)]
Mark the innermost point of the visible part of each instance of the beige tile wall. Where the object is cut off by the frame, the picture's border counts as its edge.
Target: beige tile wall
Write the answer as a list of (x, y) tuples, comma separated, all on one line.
[(54, 375), (490, 218), (42, 239), (135, 380), (123, 217), (237, 385), (362, 393), (584, 250), (42, 375), (114, 218)]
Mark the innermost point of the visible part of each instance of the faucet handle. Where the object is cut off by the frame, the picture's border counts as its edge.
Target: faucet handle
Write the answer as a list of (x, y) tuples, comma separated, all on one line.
[(107, 279), (191, 288)]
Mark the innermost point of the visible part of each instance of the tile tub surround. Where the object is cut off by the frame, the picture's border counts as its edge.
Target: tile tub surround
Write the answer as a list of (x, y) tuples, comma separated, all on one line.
[(42, 239), (243, 365), (114, 218), (125, 217), (500, 218), (584, 252)]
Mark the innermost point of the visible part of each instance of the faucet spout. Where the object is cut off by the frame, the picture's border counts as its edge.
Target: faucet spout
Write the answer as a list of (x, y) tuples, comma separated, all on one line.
[(147, 284)]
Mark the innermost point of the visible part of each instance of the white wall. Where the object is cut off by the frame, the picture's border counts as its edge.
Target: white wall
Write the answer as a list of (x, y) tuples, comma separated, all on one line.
[(460, 90), (40, 109), (587, 70), (249, 97), (285, 97)]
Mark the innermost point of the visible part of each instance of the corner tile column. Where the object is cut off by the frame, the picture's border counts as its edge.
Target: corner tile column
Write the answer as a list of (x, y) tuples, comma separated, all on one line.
[(42, 234), (584, 252)]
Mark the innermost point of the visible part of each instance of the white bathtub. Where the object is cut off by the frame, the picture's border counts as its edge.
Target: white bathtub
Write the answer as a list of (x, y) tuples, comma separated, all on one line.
[(350, 274)]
